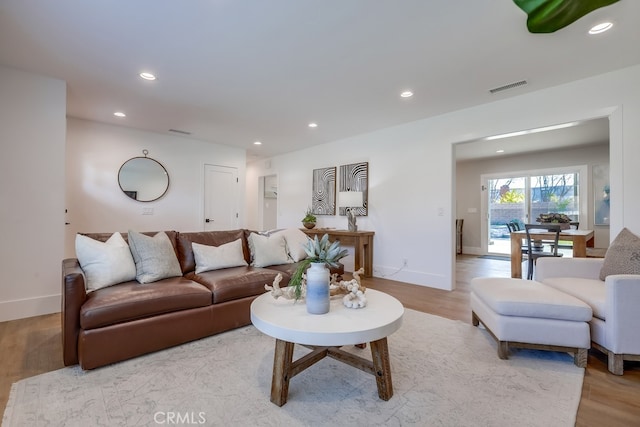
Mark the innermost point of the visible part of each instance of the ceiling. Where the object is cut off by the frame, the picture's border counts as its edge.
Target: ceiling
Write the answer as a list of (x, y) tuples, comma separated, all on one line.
[(238, 71), (579, 134)]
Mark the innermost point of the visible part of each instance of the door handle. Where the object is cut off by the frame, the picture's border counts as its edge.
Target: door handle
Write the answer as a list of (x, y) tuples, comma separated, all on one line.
[(208, 220)]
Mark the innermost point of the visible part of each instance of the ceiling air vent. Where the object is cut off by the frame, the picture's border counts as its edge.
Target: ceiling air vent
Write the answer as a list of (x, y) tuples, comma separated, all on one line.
[(183, 132), (509, 86)]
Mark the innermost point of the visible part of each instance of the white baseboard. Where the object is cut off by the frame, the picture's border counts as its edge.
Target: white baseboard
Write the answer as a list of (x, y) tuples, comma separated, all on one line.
[(472, 250), (29, 307), (413, 277)]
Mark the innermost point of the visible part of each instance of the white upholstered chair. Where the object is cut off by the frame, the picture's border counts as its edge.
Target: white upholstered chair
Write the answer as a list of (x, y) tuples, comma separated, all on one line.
[(615, 303)]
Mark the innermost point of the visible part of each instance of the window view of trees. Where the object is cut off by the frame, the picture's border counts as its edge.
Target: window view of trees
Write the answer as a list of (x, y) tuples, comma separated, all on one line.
[(549, 193), (555, 193), (524, 198)]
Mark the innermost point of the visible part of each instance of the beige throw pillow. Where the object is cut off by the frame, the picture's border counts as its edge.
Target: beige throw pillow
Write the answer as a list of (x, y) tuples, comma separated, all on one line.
[(623, 256), (216, 257), (295, 240), (104, 263), (268, 250), (154, 257)]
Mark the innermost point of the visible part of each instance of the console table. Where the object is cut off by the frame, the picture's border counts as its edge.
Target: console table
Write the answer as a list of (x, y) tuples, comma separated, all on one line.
[(362, 241)]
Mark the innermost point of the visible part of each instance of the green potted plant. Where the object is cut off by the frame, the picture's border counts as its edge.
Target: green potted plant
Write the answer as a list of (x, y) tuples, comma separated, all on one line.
[(320, 252), (309, 220)]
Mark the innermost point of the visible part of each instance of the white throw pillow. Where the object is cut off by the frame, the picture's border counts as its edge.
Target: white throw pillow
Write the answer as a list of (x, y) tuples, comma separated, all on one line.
[(217, 257), (154, 257), (295, 240), (268, 250), (104, 263)]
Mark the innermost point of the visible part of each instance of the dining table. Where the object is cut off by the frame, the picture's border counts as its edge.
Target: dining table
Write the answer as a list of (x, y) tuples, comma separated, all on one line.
[(581, 239)]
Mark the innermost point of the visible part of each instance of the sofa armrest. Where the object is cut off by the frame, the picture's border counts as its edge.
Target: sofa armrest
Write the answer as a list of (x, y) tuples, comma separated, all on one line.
[(584, 268), (73, 296), (623, 316)]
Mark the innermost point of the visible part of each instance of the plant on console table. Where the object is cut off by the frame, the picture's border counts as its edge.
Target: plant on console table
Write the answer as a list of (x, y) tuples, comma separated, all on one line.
[(309, 220)]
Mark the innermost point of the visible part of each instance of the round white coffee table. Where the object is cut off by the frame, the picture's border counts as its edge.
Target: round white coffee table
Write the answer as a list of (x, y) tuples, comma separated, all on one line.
[(289, 323)]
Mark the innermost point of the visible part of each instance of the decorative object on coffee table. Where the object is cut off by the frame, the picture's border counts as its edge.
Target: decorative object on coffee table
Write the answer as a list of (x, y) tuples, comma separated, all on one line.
[(318, 251), (309, 220), (317, 295), (355, 296), (353, 290)]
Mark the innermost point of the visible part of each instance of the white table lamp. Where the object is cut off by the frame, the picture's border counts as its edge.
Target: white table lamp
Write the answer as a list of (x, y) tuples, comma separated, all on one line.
[(351, 200)]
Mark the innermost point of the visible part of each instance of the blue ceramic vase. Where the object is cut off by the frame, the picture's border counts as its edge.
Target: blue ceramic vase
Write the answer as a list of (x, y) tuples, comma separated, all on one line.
[(317, 298)]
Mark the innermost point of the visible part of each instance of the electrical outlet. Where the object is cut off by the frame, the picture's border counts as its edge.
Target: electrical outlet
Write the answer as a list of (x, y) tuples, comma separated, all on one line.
[(147, 211)]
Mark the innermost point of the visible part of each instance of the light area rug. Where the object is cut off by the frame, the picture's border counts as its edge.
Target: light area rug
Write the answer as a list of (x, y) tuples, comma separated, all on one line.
[(445, 373)]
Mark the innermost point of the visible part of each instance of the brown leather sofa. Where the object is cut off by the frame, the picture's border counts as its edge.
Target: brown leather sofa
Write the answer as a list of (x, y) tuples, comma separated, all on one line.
[(131, 319)]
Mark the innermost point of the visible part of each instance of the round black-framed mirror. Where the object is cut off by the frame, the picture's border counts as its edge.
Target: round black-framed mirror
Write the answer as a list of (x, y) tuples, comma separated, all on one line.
[(143, 179)]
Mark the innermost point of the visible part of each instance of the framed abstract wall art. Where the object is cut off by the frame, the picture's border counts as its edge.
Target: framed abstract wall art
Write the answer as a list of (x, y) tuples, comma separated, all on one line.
[(323, 199), (355, 177)]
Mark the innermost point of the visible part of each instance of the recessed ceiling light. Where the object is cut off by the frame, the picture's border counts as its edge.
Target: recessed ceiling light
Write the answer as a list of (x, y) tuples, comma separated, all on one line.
[(119, 114), (406, 94), (147, 76), (257, 143), (313, 125), (601, 28), (499, 151)]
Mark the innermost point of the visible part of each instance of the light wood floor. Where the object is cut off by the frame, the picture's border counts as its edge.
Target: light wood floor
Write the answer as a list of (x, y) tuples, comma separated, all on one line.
[(32, 346)]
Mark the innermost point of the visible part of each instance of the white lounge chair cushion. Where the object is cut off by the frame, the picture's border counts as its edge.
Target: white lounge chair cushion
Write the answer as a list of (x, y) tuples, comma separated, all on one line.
[(591, 291), (528, 298)]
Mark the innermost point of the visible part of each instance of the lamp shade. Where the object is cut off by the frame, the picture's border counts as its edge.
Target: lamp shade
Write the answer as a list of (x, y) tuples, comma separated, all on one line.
[(350, 199)]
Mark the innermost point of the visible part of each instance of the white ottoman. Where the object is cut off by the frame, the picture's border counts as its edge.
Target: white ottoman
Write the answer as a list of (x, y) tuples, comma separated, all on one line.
[(529, 314)]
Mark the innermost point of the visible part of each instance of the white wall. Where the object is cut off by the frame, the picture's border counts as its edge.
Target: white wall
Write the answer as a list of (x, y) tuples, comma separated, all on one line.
[(403, 214), (270, 203), (468, 194), (32, 137), (411, 170), (95, 203)]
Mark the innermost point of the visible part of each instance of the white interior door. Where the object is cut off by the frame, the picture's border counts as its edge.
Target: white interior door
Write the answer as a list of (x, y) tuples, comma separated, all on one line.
[(220, 198)]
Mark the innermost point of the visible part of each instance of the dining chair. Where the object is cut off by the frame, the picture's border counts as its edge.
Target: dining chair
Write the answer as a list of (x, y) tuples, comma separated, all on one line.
[(512, 226), (535, 251)]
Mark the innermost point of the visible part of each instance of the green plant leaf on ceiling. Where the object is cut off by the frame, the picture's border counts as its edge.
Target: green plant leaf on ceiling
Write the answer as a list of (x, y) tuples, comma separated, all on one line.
[(547, 16)]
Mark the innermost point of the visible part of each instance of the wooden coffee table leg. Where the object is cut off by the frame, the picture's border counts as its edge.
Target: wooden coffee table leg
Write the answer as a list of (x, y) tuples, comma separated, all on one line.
[(382, 368), (282, 361)]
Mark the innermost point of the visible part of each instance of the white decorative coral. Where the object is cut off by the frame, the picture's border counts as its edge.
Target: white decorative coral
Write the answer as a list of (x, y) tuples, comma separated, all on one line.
[(355, 298), (353, 289)]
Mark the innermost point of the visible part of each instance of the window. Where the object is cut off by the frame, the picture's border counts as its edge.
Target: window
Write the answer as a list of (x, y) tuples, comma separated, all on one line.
[(523, 196)]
